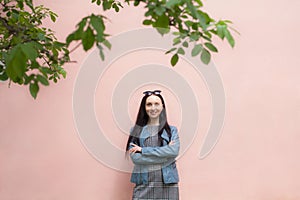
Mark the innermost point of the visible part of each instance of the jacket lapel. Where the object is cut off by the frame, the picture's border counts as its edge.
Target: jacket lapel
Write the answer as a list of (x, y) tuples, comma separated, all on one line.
[(165, 136)]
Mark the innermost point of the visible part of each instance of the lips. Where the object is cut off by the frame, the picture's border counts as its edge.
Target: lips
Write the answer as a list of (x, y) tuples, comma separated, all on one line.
[(153, 113)]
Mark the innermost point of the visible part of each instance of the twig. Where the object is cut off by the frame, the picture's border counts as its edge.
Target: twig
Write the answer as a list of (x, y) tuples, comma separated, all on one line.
[(75, 47)]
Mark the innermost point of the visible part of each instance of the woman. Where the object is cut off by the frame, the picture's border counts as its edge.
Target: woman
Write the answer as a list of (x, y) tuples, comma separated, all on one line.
[(153, 146)]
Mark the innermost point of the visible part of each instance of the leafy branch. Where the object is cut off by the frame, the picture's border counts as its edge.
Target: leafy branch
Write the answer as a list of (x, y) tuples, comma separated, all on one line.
[(192, 27), (31, 55)]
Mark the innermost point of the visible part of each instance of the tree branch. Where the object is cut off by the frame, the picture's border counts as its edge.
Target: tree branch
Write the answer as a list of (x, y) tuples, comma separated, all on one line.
[(78, 45)]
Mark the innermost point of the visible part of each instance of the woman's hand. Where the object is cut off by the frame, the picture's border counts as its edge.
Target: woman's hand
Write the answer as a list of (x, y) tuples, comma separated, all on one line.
[(135, 148)]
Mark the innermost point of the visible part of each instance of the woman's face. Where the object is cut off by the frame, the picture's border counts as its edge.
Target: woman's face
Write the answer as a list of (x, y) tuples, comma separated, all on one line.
[(153, 106)]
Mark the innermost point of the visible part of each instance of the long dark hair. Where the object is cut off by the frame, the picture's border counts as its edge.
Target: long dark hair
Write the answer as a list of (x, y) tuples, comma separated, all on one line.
[(142, 120)]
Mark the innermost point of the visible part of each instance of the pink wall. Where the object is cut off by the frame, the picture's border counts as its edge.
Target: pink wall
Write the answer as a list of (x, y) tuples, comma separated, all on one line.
[(256, 157)]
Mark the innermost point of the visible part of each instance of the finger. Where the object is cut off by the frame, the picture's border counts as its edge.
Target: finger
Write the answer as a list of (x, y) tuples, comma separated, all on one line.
[(132, 150)]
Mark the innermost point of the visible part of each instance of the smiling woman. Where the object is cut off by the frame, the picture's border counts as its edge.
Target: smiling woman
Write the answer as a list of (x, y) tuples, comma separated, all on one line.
[(153, 146)]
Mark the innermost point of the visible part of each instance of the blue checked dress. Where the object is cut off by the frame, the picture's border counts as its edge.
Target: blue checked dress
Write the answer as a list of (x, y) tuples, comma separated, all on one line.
[(156, 188)]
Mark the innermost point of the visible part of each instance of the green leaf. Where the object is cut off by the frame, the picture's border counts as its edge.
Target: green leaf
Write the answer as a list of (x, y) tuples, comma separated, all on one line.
[(88, 39), (16, 63), (197, 49), (169, 51), (176, 41), (119, 4), (56, 75), (172, 3), (207, 35), (188, 23), (106, 4), (29, 50), (28, 79), (229, 37), (3, 77), (45, 70), (205, 56), (77, 35), (199, 2), (54, 52), (34, 89), (53, 16), (97, 23), (29, 4), (149, 13), (162, 22), (136, 2), (101, 53), (211, 47), (63, 73), (160, 10), (19, 81), (195, 26), (54, 79), (191, 8), (99, 38), (185, 44), (147, 22), (180, 51), (194, 36), (34, 64), (184, 17), (220, 31), (107, 44), (174, 59), (20, 4), (58, 45), (115, 6), (163, 31), (70, 38), (228, 21), (42, 80), (204, 19)]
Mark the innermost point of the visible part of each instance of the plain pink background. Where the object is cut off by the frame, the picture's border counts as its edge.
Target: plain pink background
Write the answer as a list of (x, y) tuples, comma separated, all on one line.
[(256, 158)]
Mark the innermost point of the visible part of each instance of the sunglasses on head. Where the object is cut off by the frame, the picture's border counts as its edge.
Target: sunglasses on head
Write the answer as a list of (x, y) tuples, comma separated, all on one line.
[(155, 92)]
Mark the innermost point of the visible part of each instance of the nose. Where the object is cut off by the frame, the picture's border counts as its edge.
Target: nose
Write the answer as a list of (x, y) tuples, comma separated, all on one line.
[(153, 107)]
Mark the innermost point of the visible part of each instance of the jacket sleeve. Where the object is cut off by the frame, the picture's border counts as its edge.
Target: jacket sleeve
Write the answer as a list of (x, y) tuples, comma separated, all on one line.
[(167, 150), (138, 158)]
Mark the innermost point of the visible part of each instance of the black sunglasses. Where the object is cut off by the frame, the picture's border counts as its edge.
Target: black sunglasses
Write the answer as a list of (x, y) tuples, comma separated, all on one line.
[(155, 92)]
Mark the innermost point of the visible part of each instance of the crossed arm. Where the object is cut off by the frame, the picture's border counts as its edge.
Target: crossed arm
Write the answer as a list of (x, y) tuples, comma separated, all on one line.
[(156, 155)]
